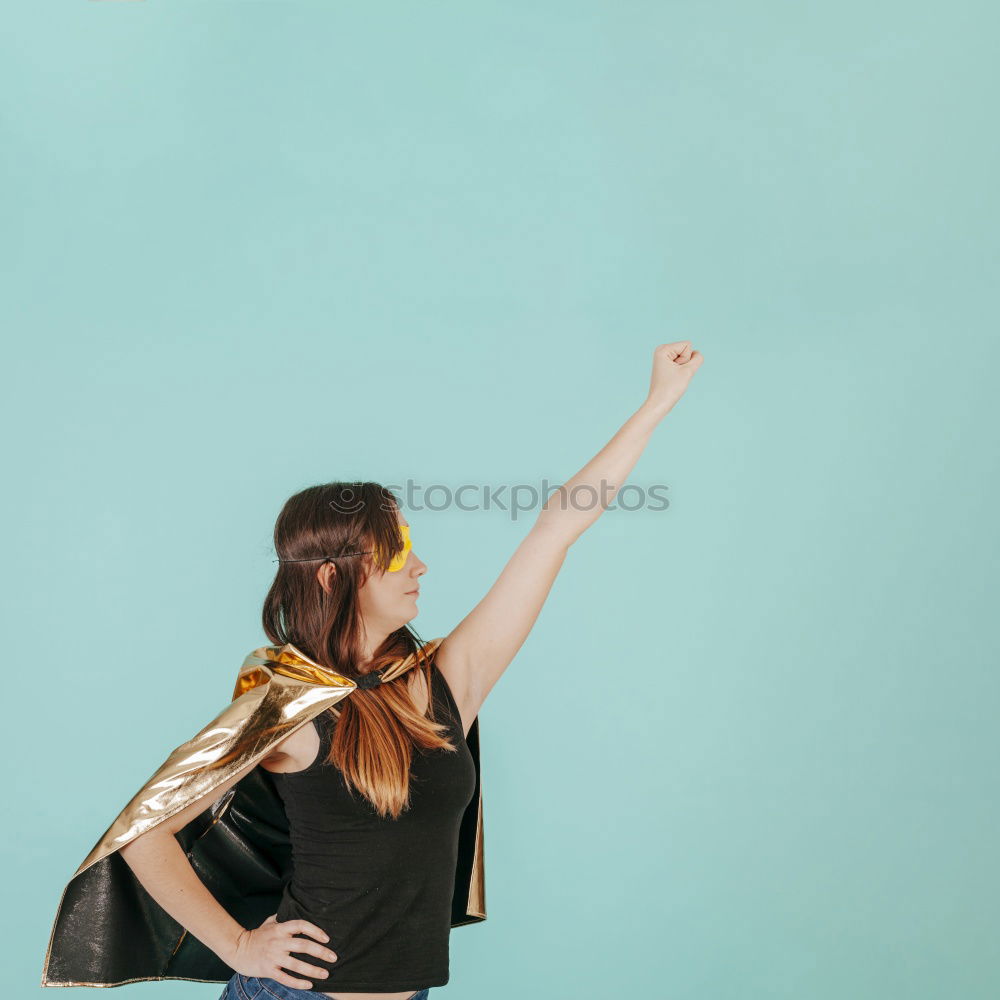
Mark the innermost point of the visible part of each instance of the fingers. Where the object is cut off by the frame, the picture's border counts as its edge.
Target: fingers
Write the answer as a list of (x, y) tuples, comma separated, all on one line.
[(305, 946), (297, 965), (287, 979), (304, 927), (685, 355), (679, 351)]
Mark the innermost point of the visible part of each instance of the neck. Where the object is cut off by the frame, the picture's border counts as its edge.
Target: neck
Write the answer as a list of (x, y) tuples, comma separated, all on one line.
[(372, 637)]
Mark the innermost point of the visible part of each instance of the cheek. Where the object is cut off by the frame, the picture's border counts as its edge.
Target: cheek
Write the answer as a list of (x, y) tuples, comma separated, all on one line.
[(378, 593)]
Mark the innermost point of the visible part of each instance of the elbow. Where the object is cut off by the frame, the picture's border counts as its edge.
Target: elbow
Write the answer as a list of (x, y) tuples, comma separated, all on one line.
[(556, 528)]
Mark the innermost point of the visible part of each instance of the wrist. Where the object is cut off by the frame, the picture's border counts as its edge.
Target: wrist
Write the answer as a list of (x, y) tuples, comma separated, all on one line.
[(229, 947), (656, 409)]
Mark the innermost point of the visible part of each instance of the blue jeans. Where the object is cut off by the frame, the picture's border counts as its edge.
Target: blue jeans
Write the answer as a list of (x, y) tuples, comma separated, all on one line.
[(252, 988)]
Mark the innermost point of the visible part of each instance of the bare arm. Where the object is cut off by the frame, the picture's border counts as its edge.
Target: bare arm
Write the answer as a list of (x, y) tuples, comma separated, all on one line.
[(160, 864), (162, 867), (580, 501), (476, 653)]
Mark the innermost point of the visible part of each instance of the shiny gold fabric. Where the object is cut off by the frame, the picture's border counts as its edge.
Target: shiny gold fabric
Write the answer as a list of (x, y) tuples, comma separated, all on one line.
[(278, 690)]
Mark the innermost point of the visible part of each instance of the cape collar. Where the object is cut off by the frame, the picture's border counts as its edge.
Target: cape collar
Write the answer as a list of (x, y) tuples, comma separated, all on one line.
[(289, 661)]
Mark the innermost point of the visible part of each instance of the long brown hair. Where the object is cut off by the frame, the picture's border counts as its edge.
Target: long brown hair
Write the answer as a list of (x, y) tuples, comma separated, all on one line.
[(378, 729)]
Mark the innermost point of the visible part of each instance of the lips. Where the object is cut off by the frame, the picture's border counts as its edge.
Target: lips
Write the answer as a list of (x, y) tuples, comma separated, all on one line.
[(415, 593)]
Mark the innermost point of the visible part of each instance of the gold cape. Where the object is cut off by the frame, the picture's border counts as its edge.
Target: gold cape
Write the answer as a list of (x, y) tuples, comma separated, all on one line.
[(109, 931)]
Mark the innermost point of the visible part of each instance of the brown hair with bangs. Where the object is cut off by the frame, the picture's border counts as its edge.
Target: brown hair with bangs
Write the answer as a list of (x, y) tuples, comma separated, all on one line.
[(378, 729)]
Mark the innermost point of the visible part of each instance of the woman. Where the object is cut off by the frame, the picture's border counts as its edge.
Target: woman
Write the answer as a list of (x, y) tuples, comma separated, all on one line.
[(374, 788)]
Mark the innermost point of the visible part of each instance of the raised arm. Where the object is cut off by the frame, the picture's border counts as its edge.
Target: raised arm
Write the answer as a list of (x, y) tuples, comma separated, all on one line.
[(476, 653)]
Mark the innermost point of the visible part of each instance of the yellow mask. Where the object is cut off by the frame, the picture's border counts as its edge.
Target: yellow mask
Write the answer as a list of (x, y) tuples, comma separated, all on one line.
[(399, 560)]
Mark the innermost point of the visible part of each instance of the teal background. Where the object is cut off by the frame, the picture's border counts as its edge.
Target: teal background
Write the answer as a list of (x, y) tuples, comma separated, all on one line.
[(749, 749)]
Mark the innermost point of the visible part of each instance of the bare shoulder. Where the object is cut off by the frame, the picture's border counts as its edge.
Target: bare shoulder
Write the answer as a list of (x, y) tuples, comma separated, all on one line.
[(295, 752)]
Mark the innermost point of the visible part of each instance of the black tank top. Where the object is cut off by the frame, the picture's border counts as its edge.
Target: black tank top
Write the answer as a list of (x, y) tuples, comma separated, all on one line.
[(381, 888)]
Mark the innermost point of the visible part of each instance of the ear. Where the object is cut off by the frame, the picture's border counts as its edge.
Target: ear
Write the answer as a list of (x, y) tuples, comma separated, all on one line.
[(325, 576)]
